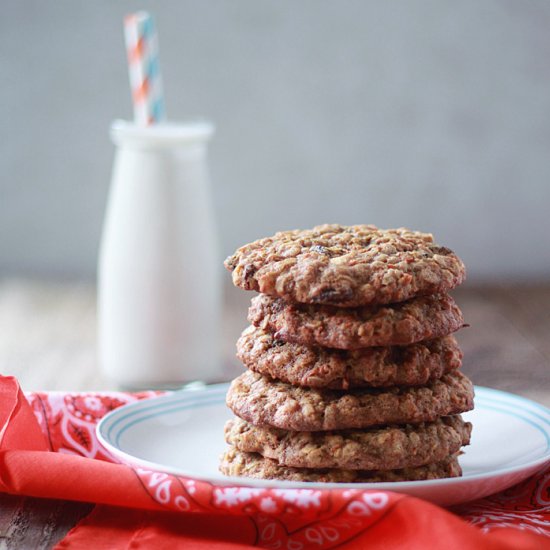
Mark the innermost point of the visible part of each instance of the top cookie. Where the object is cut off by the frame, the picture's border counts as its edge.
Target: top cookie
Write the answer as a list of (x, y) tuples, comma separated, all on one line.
[(346, 266)]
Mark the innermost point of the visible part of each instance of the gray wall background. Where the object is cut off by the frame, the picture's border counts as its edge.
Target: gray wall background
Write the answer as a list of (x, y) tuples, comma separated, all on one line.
[(431, 114)]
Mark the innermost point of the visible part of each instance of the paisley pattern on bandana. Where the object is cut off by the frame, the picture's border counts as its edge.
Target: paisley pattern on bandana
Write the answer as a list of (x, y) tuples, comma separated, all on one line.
[(285, 518)]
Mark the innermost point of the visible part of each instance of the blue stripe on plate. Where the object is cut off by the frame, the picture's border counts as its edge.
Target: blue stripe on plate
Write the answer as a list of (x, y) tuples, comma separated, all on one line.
[(513, 410), (115, 426), (176, 408), (113, 419), (524, 418), (507, 397)]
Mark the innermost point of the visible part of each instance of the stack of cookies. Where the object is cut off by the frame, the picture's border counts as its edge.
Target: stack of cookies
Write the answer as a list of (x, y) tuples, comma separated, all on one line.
[(353, 372)]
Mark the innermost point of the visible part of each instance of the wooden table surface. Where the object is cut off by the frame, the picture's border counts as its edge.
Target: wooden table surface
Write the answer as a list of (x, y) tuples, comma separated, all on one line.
[(48, 336)]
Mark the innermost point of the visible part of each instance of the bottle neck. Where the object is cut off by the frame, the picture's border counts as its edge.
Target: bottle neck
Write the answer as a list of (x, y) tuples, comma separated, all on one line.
[(189, 136)]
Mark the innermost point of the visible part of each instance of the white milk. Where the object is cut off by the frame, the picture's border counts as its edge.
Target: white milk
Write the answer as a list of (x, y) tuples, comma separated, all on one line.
[(159, 292)]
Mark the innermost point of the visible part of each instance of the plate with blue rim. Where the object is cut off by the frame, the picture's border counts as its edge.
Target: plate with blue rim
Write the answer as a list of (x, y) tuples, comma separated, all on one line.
[(182, 433)]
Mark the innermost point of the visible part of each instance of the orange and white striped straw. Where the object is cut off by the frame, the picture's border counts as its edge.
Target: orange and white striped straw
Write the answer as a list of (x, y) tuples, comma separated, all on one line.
[(143, 65)]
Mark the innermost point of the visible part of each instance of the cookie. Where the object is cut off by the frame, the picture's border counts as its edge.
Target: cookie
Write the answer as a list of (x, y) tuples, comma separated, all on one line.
[(422, 318), (346, 266), (316, 367), (262, 401), (237, 463), (388, 448)]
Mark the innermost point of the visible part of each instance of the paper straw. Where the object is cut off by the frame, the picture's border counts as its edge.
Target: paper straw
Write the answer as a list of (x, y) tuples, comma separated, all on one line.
[(144, 70)]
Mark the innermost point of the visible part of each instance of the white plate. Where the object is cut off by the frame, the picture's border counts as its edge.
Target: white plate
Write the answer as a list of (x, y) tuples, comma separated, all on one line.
[(182, 433)]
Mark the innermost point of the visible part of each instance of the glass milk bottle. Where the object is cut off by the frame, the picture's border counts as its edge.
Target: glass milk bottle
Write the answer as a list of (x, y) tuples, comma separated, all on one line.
[(159, 291)]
